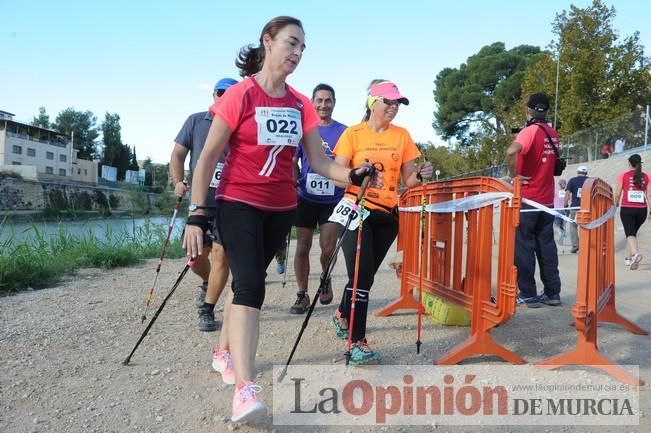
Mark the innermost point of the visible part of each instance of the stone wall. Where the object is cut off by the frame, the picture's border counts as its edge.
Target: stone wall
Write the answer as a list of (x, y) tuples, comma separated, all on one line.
[(20, 194)]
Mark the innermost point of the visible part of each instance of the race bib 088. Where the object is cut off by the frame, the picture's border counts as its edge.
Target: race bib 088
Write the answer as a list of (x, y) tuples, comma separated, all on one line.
[(278, 126), (344, 210), (316, 184)]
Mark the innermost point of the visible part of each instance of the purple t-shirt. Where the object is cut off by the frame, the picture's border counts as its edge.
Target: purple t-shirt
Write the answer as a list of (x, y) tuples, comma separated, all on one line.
[(312, 186)]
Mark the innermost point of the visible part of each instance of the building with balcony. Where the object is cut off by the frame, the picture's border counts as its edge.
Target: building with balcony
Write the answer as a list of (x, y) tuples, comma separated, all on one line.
[(41, 154)]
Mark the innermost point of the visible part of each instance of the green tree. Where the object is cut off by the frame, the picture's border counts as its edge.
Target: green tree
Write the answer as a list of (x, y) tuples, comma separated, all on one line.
[(42, 120), (84, 126), (601, 77), (448, 161), (477, 99), (134, 160), (111, 139), (156, 175), (116, 153)]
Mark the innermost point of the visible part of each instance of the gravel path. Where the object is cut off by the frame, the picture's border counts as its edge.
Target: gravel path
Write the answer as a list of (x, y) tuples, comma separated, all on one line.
[(61, 350)]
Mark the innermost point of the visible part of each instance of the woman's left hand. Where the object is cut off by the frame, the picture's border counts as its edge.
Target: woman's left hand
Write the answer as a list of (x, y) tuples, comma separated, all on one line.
[(425, 170)]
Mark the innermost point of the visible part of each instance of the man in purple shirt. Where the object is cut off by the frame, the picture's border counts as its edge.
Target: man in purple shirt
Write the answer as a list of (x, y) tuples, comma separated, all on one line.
[(317, 197)]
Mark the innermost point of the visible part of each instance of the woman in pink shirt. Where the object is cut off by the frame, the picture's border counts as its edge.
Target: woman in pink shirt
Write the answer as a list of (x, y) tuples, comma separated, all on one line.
[(633, 191), (262, 119)]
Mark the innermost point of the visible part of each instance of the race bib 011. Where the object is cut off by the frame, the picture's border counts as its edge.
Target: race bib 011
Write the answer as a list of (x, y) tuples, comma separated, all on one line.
[(278, 126), (344, 210), (319, 185), (217, 175)]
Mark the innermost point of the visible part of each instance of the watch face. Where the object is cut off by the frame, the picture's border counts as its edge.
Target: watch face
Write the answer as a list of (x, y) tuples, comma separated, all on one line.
[(192, 207)]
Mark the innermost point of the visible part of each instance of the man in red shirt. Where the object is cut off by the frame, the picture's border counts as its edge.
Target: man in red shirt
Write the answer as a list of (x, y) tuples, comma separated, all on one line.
[(532, 158)]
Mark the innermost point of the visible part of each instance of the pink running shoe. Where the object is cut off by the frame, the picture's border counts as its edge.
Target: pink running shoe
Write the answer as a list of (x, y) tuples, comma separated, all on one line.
[(222, 363), (245, 402)]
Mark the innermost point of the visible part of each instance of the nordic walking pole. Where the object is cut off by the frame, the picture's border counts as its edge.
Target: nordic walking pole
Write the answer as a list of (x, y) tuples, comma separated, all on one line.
[(326, 275), (358, 253), (150, 295), (422, 269), (160, 308), (289, 238)]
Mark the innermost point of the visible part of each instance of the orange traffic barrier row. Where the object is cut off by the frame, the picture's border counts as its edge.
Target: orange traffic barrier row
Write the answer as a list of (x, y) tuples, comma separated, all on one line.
[(595, 291), (462, 272)]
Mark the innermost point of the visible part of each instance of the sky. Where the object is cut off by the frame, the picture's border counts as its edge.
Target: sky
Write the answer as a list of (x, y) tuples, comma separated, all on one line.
[(156, 62)]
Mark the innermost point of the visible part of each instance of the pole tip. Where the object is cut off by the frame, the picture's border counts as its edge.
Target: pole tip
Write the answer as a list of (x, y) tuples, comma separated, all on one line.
[(126, 361), (418, 343), (347, 355)]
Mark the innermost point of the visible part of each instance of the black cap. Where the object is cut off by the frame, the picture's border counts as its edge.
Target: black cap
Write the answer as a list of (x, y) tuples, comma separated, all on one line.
[(538, 102)]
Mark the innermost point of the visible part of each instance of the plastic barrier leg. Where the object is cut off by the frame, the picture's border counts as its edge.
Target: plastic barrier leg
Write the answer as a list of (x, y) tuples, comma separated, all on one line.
[(586, 353), (609, 314), (405, 301), (479, 343)]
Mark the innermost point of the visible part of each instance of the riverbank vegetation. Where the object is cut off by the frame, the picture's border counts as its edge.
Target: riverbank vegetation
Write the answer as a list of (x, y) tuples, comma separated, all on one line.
[(37, 260)]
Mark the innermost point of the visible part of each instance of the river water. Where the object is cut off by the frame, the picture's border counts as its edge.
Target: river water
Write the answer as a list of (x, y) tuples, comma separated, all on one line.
[(101, 228)]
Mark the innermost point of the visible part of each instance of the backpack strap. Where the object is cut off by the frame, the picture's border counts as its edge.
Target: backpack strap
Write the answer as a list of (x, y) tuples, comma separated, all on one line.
[(550, 139)]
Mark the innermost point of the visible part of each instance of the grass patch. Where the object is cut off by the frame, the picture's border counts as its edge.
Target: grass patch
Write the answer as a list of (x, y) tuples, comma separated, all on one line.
[(40, 261)]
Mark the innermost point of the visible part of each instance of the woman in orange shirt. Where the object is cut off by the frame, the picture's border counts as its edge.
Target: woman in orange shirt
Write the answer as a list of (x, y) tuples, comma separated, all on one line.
[(393, 153)]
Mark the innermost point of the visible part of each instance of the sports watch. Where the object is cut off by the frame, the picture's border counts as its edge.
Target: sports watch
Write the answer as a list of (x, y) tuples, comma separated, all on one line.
[(194, 207)]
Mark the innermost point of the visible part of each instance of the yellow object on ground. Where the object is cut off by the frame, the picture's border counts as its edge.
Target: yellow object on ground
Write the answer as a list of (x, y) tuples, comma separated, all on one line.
[(443, 312)]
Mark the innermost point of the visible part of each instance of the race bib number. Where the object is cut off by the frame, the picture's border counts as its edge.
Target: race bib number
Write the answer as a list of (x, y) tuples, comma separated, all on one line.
[(343, 212), (635, 196), (319, 185), (578, 192), (217, 175), (278, 126)]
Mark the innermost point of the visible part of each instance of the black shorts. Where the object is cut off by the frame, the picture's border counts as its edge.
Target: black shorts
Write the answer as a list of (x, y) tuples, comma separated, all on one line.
[(632, 219), (308, 213), (213, 234), (250, 238)]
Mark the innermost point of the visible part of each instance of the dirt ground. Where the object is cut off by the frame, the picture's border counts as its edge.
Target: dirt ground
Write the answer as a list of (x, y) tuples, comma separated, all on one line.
[(61, 349)]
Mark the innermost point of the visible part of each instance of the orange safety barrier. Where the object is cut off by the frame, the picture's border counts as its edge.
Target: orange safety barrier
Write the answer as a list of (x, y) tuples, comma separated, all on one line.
[(462, 275), (595, 291)]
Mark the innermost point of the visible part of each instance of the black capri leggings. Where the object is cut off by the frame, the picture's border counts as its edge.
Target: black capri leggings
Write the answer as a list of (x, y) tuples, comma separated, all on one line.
[(632, 219), (378, 233), (250, 238)]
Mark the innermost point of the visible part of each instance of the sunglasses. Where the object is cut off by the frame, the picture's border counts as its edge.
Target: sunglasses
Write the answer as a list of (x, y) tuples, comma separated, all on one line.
[(391, 102), (220, 92)]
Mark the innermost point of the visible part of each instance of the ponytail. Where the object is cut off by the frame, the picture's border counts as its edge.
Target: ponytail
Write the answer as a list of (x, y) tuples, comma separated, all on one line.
[(250, 59), (636, 162), (637, 176)]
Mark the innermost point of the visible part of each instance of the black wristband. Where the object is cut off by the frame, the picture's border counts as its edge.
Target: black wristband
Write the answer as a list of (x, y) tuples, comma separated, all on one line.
[(200, 221), (356, 179)]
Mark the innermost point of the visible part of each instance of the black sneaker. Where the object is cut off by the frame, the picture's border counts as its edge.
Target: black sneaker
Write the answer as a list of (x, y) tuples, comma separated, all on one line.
[(207, 321), (301, 304), (201, 296)]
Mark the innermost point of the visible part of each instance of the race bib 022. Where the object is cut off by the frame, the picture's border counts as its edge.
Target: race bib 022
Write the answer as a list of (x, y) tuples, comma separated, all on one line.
[(278, 126)]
